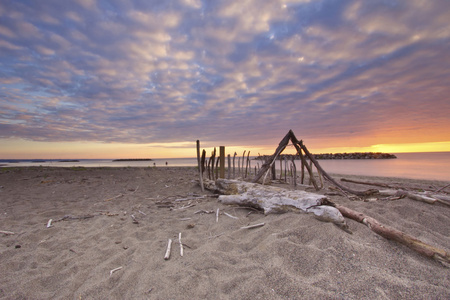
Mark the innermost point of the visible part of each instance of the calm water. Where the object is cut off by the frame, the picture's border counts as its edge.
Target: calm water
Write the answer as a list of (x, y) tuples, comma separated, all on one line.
[(433, 166)]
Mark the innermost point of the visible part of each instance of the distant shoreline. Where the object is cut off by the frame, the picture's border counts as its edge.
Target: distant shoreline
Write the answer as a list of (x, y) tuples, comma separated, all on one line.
[(133, 159)]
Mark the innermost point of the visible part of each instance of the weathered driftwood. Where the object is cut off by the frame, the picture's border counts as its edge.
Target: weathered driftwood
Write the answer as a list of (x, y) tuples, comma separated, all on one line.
[(181, 244), (6, 232), (396, 235), (114, 270), (200, 171), (290, 136), (426, 197), (275, 200), (253, 226), (169, 247)]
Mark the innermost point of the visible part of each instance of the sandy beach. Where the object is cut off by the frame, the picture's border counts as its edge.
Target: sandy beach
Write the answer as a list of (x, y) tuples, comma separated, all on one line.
[(110, 228)]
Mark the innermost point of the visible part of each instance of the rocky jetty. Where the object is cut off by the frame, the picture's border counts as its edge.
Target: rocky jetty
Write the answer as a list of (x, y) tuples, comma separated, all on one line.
[(354, 155)]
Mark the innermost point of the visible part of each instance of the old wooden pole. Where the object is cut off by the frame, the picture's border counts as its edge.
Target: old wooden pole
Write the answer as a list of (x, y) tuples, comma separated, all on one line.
[(229, 166), (222, 161), (200, 167)]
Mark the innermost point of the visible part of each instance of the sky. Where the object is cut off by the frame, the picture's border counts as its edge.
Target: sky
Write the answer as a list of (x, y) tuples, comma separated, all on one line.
[(146, 79)]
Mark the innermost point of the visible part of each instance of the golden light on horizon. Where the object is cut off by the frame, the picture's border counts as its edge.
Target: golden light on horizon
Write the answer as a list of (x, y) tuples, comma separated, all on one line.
[(21, 149)]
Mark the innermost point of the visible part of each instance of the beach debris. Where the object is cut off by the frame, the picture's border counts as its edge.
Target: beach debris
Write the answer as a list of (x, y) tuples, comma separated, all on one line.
[(202, 211), (181, 245), (253, 226), (184, 207), (134, 219), (191, 198), (142, 213), (185, 219), (7, 232), (442, 188), (231, 216), (276, 200), (134, 191), (427, 197), (115, 197), (328, 213), (169, 246), (49, 223), (217, 215), (395, 192), (396, 235), (114, 270)]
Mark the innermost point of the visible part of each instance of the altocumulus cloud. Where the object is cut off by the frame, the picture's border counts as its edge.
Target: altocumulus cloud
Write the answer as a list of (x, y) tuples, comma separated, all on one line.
[(239, 71)]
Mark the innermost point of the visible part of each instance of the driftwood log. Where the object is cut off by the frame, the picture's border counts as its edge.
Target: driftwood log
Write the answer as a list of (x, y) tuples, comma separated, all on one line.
[(272, 199), (277, 200), (396, 235)]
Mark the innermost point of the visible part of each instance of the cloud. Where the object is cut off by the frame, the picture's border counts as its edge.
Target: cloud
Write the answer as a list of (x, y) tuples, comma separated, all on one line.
[(239, 72)]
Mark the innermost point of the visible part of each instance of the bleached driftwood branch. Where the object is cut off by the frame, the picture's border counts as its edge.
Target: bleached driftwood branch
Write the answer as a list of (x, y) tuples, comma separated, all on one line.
[(275, 200), (426, 197), (6, 232), (181, 245), (231, 216), (253, 226), (169, 246), (114, 270)]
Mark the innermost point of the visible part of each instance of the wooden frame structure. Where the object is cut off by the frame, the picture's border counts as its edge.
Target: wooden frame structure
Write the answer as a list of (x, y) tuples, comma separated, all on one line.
[(303, 152)]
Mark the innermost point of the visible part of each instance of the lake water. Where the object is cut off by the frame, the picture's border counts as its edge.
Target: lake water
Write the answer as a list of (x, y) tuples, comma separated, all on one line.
[(433, 165)]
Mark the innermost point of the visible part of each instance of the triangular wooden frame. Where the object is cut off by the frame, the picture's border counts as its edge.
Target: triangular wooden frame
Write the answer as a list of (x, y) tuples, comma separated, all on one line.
[(301, 148)]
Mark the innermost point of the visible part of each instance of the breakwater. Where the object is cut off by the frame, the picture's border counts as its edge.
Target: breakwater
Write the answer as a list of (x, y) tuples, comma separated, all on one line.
[(354, 155)]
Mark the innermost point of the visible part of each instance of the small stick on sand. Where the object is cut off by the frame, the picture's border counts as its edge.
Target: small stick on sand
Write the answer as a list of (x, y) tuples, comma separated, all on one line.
[(6, 232), (202, 211), (233, 217), (120, 195), (184, 207), (253, 226), (113, 270), (135, 190), (49, 223), (442, 188), (169, 246), (217, 216), (134, 219), (181, 245)]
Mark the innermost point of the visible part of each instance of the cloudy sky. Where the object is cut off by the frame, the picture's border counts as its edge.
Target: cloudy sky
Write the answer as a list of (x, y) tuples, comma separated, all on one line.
[(142, 78)]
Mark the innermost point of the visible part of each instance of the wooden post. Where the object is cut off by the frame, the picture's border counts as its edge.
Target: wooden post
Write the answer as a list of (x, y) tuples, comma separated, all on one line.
[(213, 160), (274, 172), (229, 166), (200, 167), (222, 161), (247, 164), (243, 160), (234, 166)]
